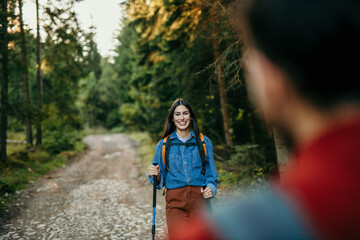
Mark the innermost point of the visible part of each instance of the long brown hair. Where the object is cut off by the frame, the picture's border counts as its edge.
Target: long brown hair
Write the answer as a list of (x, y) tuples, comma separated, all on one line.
[(169, 123)]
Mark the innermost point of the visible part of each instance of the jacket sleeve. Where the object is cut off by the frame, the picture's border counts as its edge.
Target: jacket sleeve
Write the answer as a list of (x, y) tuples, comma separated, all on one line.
[(211, 175), (158, 159)]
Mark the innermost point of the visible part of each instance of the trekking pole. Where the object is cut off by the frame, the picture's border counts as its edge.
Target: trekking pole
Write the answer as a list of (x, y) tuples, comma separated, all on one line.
[(154, 204)]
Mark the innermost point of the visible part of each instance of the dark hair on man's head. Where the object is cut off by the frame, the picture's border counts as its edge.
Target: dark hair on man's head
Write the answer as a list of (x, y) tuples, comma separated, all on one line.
[(315, 42), (169, 123)]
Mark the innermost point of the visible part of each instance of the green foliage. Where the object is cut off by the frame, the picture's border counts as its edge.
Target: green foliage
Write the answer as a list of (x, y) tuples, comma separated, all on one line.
[(63, 66), (239, 117), (58, 141), (227, 178), (131, 114), (16, 98), (15, 125), (5, 187), (16, 177), (79, 145), (39, 156), (250, 165), (87, 100), (247, 155), (92, 57), (60, 132), (120, 129)]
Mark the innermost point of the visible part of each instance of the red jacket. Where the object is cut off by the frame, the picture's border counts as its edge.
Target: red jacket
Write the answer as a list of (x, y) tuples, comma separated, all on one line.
[(325, 180)]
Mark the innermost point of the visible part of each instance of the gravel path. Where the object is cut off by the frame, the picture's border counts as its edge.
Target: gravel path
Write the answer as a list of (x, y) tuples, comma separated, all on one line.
[(102, 195)]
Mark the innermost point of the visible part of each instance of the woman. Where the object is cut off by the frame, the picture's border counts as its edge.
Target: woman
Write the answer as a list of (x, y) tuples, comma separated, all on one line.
[(188, 178)]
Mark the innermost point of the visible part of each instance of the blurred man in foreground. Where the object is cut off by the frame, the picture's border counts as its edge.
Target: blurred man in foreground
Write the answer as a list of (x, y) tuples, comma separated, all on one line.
[(303, 66)]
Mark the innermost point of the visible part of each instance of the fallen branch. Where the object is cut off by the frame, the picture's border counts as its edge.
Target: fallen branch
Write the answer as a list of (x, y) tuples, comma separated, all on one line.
[(16, 141)]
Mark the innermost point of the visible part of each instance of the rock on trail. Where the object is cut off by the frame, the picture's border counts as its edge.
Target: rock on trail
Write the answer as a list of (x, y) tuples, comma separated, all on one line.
[(102, 195)]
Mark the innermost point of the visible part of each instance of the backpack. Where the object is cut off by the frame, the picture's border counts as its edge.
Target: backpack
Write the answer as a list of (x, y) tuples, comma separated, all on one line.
[(200, 142)]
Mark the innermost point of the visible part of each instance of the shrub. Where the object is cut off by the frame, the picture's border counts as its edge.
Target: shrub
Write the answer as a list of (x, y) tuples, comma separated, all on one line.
[(39, 156), (60, 140), (250, 163)]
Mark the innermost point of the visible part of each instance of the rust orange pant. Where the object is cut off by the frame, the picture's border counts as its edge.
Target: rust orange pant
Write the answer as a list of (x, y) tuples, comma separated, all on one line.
[(181, 205)]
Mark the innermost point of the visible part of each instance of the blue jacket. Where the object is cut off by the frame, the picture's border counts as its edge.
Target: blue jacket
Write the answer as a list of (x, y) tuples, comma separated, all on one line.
[(185, 165)]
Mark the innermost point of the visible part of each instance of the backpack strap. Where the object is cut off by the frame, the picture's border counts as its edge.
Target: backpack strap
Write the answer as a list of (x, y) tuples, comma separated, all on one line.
[(202, 150), (183, 144), (165, 151), (203, 143)]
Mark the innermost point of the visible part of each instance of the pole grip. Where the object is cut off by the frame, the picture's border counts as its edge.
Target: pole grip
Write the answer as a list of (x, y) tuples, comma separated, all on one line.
[(154, 187), (208, 202), (154, 191)]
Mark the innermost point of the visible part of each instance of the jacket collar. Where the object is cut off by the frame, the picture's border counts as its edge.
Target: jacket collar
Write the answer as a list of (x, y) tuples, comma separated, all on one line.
[(174, 135)]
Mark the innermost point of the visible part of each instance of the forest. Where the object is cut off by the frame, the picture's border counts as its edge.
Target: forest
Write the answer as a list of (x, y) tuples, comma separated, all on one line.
[(55, 89)]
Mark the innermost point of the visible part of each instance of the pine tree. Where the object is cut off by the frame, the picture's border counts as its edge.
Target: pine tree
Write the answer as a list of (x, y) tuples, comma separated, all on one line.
[(24, 69), (4, 83), (39, 82)]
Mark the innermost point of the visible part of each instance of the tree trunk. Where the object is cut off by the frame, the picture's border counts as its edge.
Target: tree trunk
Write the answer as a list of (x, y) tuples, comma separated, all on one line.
[(4, 83), (222, 91), (39, 89), (282, 151), (24, 68)]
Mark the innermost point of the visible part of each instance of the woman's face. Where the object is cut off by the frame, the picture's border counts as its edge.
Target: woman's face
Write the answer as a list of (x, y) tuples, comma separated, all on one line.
[(182, 117)]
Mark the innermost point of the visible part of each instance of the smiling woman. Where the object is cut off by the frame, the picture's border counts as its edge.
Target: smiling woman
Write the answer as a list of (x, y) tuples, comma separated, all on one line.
[(182, 120), (184, 165)]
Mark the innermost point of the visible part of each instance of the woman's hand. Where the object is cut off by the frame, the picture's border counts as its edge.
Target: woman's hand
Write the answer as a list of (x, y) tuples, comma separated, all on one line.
[(207, 193), (155, 171)]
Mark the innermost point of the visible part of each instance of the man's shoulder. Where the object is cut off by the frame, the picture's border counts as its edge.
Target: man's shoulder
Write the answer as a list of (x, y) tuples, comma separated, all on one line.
[(270, 214)]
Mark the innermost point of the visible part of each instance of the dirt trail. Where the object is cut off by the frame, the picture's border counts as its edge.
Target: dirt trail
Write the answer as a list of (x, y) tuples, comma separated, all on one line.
[(102, 195)]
